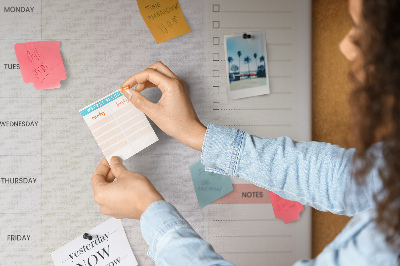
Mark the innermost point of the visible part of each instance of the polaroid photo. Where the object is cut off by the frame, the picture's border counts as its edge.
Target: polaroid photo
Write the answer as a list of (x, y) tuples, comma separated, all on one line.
[(246, 64)]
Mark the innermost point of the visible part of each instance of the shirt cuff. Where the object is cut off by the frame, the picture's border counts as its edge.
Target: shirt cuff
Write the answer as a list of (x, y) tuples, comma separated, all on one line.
[(158, 219), (222, 148)]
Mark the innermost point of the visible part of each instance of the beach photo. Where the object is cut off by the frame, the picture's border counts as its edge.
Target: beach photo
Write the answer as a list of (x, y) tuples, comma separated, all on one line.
[(246, 63)]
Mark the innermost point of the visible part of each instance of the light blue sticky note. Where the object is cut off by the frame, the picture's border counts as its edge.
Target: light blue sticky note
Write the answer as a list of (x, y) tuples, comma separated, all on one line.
[(209, 186)]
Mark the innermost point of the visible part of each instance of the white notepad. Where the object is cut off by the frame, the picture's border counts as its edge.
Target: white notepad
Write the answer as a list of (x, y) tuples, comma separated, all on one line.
[(118, 126)]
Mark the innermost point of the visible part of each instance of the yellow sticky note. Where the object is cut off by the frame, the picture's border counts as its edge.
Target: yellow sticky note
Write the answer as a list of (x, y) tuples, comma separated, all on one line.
[(164, 18)]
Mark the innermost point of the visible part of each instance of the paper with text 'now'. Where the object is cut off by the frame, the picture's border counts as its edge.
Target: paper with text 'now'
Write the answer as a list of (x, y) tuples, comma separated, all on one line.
[(118, 126), (108, 246), (209, 186), (164, 18), (41, 63)]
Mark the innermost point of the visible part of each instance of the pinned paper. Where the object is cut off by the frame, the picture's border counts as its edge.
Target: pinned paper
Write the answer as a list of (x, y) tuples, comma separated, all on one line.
[(118, 126), (108, 246), (164, 18), (209, 186), (288, 211), (41, 63)]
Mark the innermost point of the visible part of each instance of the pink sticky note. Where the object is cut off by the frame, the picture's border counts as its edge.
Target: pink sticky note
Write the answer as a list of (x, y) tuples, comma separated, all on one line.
[(41, 63), (286, 210)]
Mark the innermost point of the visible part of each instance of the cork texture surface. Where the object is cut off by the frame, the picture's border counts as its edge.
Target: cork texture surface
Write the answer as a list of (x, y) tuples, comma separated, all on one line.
[(330, 99)]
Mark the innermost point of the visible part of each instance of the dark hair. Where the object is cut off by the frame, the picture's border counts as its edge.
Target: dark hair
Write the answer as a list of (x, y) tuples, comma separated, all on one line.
[(375, 103)]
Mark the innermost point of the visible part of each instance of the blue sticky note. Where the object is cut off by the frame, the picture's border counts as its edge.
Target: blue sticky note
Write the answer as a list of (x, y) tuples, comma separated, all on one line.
[(209, 186)]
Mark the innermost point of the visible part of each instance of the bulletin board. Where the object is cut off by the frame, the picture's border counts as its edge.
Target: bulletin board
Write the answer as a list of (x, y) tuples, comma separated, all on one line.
[(59, 206)]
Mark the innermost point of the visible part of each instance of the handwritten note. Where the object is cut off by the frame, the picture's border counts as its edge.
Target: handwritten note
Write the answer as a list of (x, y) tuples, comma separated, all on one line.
[(209, 186), (41, 63), (118, 126), (164, 18), (109, 246), (288, 211)]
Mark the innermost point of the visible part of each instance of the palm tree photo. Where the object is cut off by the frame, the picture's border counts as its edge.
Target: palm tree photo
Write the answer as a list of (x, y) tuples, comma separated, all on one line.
[(248, 51)]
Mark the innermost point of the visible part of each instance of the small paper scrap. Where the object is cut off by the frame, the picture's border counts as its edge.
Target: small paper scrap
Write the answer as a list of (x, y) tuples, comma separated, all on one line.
[(209, 186), (164, 18), (109, 246), (288, 211), (118, 126), (41, 63)]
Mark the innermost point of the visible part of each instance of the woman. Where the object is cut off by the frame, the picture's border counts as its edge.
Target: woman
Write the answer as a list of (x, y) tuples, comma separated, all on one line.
[(316, 174)]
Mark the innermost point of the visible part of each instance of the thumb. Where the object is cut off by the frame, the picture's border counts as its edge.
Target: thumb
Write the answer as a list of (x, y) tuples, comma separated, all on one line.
[(117, 167), (139, 101)]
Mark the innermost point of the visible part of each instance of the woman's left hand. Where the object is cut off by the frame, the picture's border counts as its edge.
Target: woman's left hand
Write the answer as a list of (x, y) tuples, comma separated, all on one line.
[(128, 196)]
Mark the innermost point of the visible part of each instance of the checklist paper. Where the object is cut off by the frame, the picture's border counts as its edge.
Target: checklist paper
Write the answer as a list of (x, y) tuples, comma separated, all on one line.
[(118, 126), (242, 226)]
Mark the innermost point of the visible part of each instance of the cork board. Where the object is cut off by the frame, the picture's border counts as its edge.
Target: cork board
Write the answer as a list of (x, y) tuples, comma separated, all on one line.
[(330, 97)]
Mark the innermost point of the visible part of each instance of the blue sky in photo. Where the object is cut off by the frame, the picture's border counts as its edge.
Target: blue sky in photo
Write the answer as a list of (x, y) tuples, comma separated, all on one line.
[(248, 47)]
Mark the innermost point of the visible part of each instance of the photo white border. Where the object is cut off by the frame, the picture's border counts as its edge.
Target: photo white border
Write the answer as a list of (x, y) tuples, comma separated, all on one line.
[(248, 92)]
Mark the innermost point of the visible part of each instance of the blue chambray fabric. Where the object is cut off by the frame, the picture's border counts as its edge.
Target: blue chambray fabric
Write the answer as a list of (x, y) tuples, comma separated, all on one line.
[(312, 173), (171, 239)]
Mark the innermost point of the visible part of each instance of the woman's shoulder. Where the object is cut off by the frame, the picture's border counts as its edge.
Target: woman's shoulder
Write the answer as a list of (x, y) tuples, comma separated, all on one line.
[(362, 238)]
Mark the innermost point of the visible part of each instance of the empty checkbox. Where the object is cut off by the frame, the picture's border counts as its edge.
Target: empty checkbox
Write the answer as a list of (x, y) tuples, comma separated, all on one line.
[(215, 56), (215, 90), (215, 73), (215, 8), (215, 24), (216, 40)]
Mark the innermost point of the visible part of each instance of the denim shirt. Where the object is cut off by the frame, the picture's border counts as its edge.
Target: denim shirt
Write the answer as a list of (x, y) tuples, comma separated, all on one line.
[(312, 173)]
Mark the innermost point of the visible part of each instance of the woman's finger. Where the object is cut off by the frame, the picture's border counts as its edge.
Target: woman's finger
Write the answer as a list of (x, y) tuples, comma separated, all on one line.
[(142, 86), (160, 67), (100, 174), (110, 177), (159, 80)]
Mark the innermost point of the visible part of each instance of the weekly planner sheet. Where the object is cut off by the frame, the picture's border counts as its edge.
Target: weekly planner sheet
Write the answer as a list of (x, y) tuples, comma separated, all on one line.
[(49, 150)]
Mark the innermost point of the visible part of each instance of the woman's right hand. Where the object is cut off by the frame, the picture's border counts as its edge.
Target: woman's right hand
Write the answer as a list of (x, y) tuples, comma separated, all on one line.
[(174, 113)]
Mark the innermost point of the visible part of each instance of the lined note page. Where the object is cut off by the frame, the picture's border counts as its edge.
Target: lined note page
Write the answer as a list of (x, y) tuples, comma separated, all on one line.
[(241, 226), (266, 240)]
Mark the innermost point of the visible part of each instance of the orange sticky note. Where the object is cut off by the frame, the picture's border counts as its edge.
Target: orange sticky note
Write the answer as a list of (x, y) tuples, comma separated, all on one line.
[(288, 211), (164, 18), (41, 63)]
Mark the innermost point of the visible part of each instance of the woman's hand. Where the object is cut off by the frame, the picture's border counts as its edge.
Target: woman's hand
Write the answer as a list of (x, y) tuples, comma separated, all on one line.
[(174, 113), (128, 196)]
